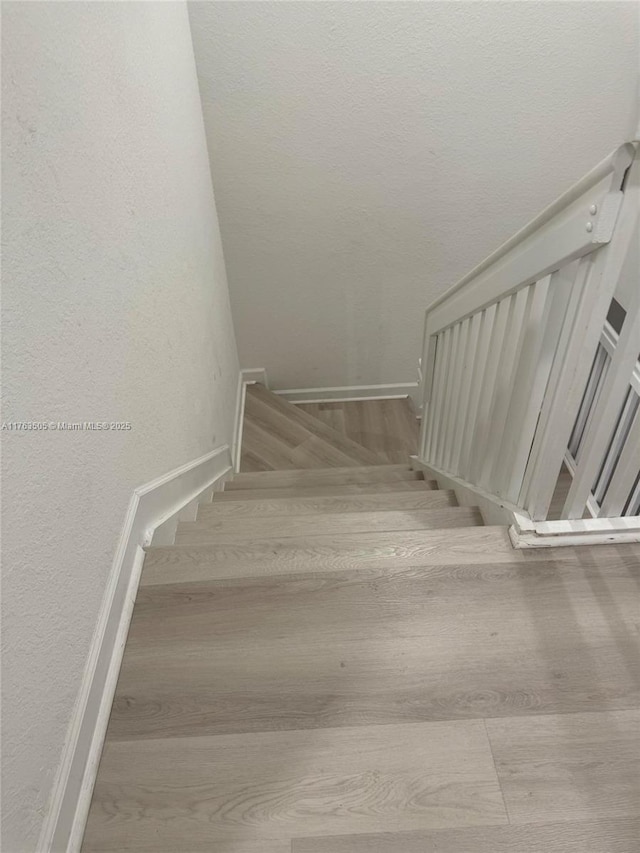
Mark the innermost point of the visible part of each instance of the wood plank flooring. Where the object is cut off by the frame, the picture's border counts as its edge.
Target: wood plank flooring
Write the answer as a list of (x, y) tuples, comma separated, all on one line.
[(275, 785), (389, 428), (225, 530), (569, 766), (278, 435), (304, 554), (322, 665), (589, 836)]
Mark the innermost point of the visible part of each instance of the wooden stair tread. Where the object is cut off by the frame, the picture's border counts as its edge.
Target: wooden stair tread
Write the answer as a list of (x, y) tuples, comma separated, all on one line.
[(264, 450), (328, 524), (387, 427), (323, 476), (391, 629), (273, 785), (278, 435), (292, 506), (251, 557), (613, 835), (332, 489)]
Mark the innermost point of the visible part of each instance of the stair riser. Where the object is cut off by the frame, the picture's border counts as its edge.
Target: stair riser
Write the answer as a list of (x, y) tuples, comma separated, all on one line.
[(196, 533), (418, 486), (252, 558), (274, 508), (323, 476)]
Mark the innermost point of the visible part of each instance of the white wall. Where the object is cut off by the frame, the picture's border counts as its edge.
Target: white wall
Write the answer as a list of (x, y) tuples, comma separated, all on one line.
[(115, 308), (366, 155)]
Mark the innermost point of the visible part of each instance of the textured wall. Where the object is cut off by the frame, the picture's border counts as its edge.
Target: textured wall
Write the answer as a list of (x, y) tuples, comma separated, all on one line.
[(115, 308), (366, 155)]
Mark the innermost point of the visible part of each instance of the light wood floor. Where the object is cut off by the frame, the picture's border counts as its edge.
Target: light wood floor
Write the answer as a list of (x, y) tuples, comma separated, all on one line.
[(279, 435), (389, 428), (345, 661)]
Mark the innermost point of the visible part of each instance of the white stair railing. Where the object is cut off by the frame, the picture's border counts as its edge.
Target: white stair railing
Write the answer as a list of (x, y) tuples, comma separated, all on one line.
[(524, 372)]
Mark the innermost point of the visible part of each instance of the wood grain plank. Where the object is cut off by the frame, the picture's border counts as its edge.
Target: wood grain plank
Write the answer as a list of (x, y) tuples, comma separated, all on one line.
[(568, 766), (323, 476), (336, 489), (165, 795), (276, 420), (252, 557), (287, 445), (589, 836), (275, 507), (378, 647), (223, 845), (329, 524), (387, 427)]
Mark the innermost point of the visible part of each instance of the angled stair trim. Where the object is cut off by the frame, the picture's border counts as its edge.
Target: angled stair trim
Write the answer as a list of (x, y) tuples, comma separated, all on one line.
[(350, 393), (155, 505), (246, 376)]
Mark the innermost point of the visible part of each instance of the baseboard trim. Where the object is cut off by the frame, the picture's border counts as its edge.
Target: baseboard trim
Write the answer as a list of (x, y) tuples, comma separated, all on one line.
[(349, 393), (246, 376), (255, 374), (151, 507), (236, 447)]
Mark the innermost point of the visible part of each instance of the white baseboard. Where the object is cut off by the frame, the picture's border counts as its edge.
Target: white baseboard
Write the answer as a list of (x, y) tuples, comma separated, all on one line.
[(247, 376), (255, 374), (349, 393), (152, 507), (236, 447)]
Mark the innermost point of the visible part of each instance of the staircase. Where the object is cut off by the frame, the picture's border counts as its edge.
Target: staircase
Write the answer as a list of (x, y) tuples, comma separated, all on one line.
[(346, 508), (339, 659)]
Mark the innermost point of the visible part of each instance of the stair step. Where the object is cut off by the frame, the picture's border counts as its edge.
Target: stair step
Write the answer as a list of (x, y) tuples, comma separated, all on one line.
[(322, 477), (418, 487), (343, 648), (328, 524), (587, 836), (293, 506), (387, 427), (278, 435), (255, 557)]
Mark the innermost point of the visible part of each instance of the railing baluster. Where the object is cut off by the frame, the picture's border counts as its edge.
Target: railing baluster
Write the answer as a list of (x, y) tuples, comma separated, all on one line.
[(483, 424), (437, 392), (511, 387), (597, 378), (625, 472), (449, 354), (603, 417), (465, 389), (523, 382), (452, 412), (504, 383), (598, 275), (484, 339), (527, 406)]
